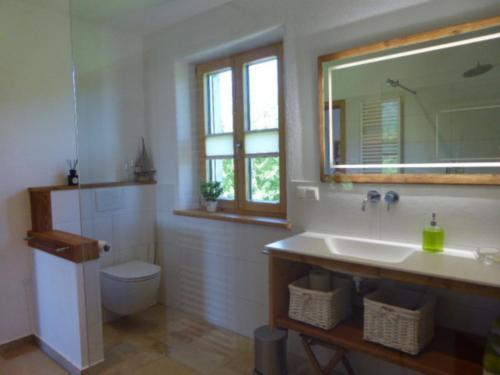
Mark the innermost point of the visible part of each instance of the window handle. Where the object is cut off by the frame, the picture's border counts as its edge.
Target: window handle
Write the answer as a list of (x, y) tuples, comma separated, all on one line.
[(239, 146)]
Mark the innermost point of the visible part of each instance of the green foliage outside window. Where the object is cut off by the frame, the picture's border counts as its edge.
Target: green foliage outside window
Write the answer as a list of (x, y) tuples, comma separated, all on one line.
[(228, 180), (265, 181), (265, 184)]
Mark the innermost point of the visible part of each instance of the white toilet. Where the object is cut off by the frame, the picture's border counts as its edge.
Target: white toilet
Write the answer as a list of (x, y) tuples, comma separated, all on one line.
[(130, 287)]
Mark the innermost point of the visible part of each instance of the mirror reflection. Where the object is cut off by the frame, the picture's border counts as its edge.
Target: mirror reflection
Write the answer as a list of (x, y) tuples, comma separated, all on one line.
[(426, 108)]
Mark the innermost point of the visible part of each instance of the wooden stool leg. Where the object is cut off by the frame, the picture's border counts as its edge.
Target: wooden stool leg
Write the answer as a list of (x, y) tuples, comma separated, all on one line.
[(347, 365), (337, 357), (310, 355)]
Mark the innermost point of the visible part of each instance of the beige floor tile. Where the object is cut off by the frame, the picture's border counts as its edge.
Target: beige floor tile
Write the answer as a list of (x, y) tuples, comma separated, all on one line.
[(156, 341), (165, 366), (240, 364), (30, 362)]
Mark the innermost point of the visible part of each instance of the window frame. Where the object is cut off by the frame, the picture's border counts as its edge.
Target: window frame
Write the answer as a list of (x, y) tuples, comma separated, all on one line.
[(341, 106), (237, 63)]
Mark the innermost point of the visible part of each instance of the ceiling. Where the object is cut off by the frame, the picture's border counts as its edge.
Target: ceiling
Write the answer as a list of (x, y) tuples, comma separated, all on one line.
[(140, 16)]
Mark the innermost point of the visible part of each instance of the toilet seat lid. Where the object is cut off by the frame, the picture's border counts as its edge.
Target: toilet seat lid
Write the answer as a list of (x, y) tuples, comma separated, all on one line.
[(134, 270)]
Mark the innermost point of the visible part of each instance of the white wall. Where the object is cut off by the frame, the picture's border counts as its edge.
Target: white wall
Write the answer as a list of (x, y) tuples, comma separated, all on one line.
[(110, 99), (216, 269), (37, 135)]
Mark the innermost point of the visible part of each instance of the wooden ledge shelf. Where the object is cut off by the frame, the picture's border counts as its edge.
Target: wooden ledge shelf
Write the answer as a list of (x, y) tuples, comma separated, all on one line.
[(449, 353), (65, 245), (236, 218), (40, 189)]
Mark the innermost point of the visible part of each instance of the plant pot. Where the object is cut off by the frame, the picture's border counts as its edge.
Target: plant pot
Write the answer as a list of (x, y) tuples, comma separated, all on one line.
[(211, 206)]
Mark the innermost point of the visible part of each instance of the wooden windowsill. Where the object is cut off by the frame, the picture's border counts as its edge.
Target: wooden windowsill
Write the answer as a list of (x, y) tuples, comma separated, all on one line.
[(237, 218)]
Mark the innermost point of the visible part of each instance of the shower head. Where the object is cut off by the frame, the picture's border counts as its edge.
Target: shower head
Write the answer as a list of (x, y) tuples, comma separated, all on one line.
[(392, 82), (477, 70), (395, 83)]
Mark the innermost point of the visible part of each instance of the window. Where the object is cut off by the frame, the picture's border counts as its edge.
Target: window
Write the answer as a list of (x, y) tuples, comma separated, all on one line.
[(241, 128)]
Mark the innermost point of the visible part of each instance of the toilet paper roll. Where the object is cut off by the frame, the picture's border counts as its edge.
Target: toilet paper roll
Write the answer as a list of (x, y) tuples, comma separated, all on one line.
[(103, 246), (320, 280)]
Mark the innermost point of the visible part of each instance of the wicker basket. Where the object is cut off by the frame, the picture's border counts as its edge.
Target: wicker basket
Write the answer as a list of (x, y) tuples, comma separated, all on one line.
[(399, 319), (320, 309)]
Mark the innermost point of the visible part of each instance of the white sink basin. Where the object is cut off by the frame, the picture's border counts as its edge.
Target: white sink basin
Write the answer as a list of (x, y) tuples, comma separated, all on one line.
[(380, 251), (452, 263)]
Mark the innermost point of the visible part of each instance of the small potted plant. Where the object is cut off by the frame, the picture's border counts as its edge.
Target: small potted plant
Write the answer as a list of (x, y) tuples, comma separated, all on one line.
[(210, 192)]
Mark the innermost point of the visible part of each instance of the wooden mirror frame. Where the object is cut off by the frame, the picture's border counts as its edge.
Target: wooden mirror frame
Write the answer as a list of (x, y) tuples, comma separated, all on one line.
[(427, 178)]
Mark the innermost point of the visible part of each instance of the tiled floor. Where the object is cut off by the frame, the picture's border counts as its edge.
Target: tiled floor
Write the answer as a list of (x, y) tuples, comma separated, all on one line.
[(157, 341), (28, 360)]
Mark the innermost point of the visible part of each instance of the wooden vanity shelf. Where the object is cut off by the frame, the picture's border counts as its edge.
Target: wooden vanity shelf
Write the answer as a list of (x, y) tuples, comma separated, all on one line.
[(450, 352)]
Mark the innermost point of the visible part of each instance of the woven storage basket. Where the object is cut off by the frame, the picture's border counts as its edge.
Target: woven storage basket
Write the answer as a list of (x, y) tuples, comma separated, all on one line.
[(320, 309), (399, 319)]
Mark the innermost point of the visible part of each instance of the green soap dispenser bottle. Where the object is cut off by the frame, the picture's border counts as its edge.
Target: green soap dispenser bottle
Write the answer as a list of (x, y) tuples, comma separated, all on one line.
[(433, 237)]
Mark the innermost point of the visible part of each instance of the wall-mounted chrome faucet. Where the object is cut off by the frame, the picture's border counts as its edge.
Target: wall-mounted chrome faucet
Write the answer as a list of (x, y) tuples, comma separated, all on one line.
[(373, 196), (391, 197)]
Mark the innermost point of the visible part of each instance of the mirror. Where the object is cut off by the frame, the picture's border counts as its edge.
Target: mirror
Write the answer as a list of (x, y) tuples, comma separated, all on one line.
[(419, 109)]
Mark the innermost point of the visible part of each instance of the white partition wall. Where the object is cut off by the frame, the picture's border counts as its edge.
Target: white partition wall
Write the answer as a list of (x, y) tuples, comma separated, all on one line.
[(67, 310)]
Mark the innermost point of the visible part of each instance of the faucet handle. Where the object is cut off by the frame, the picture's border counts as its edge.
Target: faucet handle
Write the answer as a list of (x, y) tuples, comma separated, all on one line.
[(391, 197), (373, 196)]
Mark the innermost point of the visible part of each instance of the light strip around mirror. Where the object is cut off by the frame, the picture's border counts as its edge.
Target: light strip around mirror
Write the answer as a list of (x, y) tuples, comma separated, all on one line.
[(418, 165), (418, 51)]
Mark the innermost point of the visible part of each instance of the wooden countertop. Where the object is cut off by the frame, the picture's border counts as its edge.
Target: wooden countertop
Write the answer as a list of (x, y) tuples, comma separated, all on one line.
[(65, 245), (88, 186)]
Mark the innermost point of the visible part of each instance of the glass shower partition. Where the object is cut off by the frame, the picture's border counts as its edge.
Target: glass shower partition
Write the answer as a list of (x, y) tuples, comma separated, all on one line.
[(116, 209)]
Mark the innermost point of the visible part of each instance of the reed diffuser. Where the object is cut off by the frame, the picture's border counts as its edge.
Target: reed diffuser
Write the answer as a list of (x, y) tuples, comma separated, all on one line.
[(73, 179)]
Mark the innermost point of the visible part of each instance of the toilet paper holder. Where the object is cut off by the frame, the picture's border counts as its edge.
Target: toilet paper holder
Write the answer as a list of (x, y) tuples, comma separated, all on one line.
[(103, 246)]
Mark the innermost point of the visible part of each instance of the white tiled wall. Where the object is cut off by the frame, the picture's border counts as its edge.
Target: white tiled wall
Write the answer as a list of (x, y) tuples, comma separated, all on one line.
[(214, 269), (127, 223), (66, 211)]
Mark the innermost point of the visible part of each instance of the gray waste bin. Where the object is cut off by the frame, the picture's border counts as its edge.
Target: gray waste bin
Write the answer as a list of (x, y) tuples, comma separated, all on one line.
[(270, 351)]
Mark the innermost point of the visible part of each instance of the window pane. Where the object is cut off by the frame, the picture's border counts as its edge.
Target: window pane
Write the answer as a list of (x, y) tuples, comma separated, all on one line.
[(262, 95), (219, 145), (263, 142), (222, 170), (263, 176), (220, 102)]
